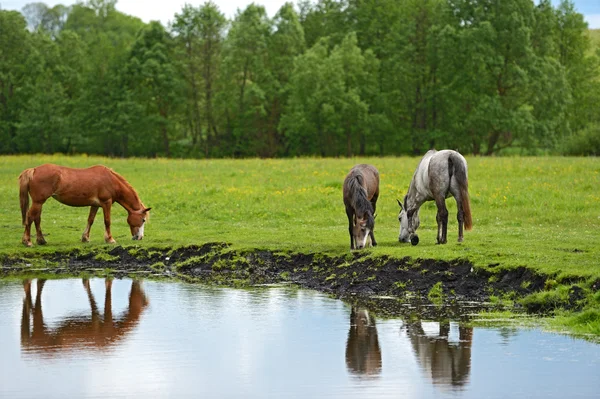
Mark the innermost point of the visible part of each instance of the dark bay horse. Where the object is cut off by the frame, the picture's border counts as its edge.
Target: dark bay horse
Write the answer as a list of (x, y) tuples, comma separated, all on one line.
[(361, 190), (96, 187), (439, 175)]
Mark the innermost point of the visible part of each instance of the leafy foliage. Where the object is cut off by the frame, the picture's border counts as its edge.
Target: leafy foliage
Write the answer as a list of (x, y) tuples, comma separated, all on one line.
[(330, 78)]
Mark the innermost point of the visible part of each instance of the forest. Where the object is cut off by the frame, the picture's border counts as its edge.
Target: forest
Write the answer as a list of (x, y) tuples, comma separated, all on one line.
[(321, 78)]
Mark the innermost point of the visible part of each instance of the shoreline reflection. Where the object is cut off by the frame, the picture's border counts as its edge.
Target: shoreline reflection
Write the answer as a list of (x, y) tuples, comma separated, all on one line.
[(445, 361), (83, 332), (363, 354)]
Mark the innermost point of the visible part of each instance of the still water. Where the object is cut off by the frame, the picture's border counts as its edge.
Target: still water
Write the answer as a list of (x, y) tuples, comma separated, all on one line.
[(92, 339)]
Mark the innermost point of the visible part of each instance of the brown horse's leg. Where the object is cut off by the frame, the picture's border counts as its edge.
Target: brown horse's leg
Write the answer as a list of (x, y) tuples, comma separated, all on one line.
[(38, 315), (86, 233), (28, 221), (108, 238), (442, 220), (108, 318), (34, 215)]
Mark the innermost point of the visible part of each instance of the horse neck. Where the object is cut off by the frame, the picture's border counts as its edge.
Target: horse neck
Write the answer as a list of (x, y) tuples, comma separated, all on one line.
[(127, 197)]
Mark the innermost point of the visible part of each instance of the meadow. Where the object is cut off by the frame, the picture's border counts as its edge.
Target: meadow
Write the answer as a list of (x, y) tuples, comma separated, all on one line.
[(543, 213)]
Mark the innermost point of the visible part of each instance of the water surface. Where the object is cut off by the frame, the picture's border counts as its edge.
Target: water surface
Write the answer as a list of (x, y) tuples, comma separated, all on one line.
[(92, 339)]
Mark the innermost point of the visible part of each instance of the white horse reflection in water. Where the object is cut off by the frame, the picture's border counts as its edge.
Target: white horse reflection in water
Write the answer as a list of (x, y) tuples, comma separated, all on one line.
[(87, 332), (448, 363), (363, 355)]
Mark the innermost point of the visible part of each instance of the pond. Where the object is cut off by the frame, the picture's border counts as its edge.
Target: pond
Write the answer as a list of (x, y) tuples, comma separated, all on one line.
[(94, 339)]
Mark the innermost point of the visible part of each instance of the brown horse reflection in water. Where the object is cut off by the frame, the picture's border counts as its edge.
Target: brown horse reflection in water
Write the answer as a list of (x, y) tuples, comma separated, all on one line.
[(448, 363), (96, 187), (94, 332), (363, 355)]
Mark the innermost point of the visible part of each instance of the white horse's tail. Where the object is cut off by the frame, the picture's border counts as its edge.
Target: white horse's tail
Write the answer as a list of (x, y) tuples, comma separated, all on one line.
[(460, 173)]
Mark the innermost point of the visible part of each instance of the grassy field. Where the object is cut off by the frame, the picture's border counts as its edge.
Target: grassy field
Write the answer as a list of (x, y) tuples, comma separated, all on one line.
[(543, 213)]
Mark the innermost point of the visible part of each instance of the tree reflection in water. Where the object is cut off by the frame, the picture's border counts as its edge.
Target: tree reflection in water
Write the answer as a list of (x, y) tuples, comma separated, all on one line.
[(85, 332), (448, 363), (363, 355)]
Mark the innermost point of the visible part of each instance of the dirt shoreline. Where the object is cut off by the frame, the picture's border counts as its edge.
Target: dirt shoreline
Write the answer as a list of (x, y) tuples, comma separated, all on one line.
[(391, 286)]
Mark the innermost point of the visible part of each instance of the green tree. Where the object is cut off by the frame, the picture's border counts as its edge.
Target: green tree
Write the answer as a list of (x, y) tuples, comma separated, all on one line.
[(245, 75), (199, 34), (17, 70), (156, 86)]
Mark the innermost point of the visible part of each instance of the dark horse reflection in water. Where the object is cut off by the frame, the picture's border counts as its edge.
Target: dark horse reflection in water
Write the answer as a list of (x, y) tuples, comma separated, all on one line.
[(448, 363), (363, 355), (86, 332)]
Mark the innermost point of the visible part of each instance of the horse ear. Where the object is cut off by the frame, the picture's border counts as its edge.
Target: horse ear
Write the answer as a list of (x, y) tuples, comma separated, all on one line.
[(399, 203), (146, 210)]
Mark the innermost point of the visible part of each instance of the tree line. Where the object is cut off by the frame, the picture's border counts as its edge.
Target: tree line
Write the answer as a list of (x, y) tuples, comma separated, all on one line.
[(324, 78)]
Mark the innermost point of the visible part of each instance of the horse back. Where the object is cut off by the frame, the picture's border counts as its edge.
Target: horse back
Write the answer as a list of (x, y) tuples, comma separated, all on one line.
[(368, 175), (72, 186)]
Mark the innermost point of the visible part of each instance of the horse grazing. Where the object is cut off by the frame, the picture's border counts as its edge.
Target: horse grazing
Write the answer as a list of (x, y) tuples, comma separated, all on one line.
[(97, 186), (361, 190), (439, 175)]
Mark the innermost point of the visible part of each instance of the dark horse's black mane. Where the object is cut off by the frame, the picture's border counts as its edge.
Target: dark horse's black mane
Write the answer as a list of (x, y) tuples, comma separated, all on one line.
[(359, 200)]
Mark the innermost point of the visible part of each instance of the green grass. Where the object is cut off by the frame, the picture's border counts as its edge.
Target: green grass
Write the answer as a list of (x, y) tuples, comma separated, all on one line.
[(543, 213)]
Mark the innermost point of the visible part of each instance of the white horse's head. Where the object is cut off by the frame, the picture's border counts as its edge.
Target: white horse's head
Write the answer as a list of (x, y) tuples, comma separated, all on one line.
[(409, 223)]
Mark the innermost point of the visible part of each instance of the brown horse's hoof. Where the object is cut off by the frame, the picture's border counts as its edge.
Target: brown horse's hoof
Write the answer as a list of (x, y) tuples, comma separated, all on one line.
[(41, 241), (110, 241), (85, 239), (27, 243)]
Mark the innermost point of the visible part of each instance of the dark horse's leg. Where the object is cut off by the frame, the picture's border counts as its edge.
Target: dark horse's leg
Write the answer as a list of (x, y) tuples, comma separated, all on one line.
[(442, 219), (374, 203), (350, 214)]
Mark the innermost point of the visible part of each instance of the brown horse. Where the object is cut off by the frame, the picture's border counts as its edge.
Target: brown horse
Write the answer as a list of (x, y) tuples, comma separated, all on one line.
[(97, 186), (361, 190), (93, 332)]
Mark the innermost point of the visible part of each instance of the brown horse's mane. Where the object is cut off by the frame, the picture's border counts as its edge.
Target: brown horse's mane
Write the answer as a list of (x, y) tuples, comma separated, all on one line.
[(128, 185)]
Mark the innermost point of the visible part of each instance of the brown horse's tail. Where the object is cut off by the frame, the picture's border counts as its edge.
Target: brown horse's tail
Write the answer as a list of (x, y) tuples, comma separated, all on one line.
[(460, 173), (24, 179)]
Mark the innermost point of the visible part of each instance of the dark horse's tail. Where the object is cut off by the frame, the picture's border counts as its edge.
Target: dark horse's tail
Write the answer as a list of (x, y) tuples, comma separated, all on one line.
[(460, 173), (24, 179)]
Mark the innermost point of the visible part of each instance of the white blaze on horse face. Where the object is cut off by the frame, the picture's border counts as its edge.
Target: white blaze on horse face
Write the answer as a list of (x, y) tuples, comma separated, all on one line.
[(140, 233), (404, 234), (367, 236)]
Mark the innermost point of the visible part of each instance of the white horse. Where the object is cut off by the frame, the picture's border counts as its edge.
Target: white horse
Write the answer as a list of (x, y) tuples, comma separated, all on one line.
[(439, 175)]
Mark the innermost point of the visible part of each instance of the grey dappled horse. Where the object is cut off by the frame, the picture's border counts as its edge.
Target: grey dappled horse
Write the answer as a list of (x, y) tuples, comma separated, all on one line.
[(439, 175), (361, 190)]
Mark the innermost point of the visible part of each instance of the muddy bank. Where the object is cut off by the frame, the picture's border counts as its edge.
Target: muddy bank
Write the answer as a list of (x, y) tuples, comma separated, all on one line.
[(394, 286)]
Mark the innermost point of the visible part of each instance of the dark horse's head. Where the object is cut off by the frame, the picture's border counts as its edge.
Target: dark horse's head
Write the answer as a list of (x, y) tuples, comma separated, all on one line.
[(409, 223), (363, 225)]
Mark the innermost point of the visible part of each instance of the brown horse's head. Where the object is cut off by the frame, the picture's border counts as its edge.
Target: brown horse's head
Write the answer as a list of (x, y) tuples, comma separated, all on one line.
[(362, 227), (137, 220)]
